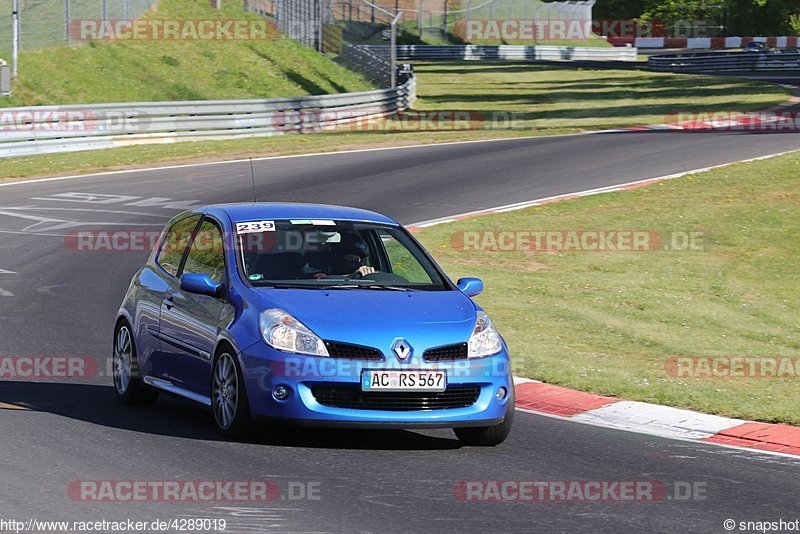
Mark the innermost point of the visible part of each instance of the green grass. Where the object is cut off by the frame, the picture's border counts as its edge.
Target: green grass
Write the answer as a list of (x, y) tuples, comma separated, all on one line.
[(545, 100), (606, 322), (554, 97), (178, 70), (457, 34)]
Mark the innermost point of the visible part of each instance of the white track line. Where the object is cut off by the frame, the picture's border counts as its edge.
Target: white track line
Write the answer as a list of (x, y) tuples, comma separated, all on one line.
[(588, 192)]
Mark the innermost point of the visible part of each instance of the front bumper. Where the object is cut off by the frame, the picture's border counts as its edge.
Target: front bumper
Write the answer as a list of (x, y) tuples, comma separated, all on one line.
[(265, 369)]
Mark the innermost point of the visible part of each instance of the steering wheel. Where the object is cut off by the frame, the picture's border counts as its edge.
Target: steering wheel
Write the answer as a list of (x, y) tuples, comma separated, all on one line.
[(358, 275)]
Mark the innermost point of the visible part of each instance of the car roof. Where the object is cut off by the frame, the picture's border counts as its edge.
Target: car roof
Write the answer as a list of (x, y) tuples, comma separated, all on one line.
[(288, 210)]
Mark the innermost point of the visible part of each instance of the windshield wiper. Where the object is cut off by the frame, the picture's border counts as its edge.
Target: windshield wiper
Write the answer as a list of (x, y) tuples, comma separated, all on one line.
[(366, 286), (293, 286), (336, 286)]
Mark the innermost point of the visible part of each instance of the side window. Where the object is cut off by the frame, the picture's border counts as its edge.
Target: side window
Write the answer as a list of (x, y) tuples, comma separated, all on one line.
[(206, 255), (174, 246), (402, 262)]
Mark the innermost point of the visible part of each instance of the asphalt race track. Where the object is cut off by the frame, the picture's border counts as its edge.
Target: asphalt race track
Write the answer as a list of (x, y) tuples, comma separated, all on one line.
[(58, 301)]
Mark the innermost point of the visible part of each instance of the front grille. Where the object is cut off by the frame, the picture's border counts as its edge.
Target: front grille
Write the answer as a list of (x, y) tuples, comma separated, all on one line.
[(353, 398), (447, 353), (348, 351)]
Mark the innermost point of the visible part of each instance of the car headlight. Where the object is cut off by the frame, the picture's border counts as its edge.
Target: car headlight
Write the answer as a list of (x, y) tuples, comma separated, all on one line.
[(485, 339), (283, 332)]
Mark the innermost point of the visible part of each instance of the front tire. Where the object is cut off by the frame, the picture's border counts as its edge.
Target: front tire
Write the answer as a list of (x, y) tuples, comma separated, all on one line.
[(229, 402), (127, 381), (489, 436)]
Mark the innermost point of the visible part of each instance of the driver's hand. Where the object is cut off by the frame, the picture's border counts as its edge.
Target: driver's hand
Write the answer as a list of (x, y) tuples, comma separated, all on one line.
[(364, 270)]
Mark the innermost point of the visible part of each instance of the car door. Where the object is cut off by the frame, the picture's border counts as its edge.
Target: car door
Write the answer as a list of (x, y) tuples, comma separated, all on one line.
[(168, 261), (190, 322)]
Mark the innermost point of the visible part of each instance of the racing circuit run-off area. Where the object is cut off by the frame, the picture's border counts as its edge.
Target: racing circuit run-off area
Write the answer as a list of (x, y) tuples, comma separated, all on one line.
[(440, 266)]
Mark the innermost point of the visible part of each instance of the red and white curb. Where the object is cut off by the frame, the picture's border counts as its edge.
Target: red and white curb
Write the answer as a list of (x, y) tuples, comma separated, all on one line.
[(704, 42), (778, 118), (642, 417), (750, 123)]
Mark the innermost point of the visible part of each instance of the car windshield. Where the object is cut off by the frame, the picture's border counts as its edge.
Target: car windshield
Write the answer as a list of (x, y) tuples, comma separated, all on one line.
[(333, 254)]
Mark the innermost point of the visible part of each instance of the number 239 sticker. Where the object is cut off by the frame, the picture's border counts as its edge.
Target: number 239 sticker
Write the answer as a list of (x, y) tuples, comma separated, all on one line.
[(255, 226)]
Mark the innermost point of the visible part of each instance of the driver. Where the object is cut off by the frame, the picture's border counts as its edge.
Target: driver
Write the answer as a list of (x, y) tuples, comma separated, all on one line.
[(348, 258)]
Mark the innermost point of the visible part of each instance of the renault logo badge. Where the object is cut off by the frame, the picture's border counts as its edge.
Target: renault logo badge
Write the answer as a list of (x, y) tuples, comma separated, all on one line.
[(402, 349)]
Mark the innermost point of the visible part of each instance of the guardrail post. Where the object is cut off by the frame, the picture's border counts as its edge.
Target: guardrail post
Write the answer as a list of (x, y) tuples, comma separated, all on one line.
[(444, 19), (393, 54), (67, 20), (14, 38), (5, 79), (420, 15)]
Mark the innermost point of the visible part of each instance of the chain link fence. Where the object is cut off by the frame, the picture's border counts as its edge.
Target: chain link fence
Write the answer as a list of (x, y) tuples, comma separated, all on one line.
[(444, 21), (299, 19), (334, 27), (47, 23), (326, 25)]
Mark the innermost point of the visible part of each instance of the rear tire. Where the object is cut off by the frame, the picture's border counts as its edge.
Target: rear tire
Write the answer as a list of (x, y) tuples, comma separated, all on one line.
[(489, 436), (128, 385), (229, 403)]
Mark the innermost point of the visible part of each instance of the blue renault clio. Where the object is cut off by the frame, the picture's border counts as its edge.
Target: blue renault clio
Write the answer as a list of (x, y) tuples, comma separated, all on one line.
[(315, 315)]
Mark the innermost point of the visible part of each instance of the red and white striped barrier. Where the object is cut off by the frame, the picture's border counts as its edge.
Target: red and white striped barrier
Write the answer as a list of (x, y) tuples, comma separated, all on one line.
[(703, 42)]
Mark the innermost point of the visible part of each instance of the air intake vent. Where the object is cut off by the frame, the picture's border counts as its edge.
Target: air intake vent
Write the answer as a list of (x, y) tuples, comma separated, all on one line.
[(348, 351), (447, 353), (352, 397)]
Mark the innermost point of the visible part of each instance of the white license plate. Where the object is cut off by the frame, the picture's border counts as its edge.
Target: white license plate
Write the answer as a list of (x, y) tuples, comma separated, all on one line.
[(376, 380)]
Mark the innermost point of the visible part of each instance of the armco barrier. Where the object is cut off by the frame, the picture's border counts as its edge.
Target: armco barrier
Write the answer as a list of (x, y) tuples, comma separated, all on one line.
[(52, 129), (504, 52), (726, 61)]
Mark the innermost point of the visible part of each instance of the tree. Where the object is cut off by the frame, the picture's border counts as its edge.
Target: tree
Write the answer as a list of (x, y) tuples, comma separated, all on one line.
[(744, 17)]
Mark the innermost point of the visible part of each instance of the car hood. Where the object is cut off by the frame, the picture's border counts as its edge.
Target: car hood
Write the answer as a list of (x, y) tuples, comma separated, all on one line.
[(376, 318)]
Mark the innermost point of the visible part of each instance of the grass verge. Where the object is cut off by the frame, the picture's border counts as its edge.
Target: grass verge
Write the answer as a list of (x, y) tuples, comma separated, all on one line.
[(153, 70), (608, 322), (544, 99)]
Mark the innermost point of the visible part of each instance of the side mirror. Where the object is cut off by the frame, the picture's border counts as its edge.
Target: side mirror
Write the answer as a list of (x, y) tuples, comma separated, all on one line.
[(201, 284), (471, 287)]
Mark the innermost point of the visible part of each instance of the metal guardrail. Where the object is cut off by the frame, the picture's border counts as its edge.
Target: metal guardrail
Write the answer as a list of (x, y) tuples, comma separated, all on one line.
[(726, 61), (53, 129), (504, 52)]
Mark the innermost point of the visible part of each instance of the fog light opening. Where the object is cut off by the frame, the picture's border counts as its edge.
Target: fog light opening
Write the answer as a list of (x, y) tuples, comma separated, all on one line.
[(501, 393), (280, 392)]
